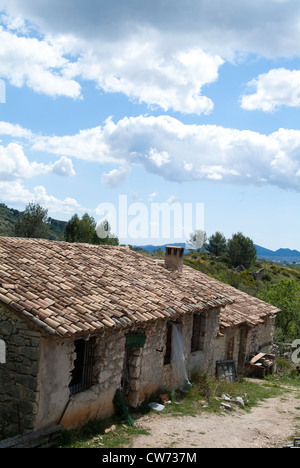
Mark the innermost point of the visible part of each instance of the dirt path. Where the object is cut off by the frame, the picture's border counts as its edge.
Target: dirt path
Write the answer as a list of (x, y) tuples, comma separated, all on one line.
[(271, 425)]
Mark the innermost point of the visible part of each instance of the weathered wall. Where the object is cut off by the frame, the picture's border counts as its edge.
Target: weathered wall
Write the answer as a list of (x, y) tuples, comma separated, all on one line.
[(34, 381), (205, 361), (259, 339), (157, 376), (18, 375), (57, 362), (147, 372)]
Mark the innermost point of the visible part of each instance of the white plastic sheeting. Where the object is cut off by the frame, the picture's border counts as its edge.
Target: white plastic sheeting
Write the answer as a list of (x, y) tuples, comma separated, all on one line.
[(178, 360)]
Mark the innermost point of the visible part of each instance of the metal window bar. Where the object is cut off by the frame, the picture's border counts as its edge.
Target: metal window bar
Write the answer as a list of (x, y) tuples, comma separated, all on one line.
[(83, 372)]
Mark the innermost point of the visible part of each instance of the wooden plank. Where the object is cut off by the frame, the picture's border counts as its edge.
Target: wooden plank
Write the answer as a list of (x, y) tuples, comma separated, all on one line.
[(32, 439)]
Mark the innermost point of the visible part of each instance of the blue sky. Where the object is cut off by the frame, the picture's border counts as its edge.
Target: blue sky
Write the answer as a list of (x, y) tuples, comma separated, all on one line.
[(166, 102)]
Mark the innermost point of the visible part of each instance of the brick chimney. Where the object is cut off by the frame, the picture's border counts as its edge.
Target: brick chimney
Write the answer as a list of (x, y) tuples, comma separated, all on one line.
[(174, 258)]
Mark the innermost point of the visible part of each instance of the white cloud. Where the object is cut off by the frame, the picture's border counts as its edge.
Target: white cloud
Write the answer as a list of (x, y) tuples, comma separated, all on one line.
[(14, 164), (186, 152), (68, 205), (63, 167), (278, 87), (116, 177), (173, 199), (145, 72), (38, 64), (162, 56), (15, 192), (14, 130), (152, 196), (269, 28), (159, 159), (88, 145)]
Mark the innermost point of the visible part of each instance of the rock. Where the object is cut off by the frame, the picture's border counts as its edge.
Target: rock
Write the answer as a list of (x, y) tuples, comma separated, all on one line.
[(239, 401), (225, 406), (110, 429), (226, 397), (240, 268), (156, 406), (258, 275)]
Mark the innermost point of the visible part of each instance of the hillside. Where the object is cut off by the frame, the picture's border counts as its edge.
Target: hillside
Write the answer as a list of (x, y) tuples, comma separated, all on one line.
[(280, 255), (9, 216), (247, 281)]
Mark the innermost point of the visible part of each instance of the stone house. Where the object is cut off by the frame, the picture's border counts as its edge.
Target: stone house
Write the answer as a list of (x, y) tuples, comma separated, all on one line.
[(78, 322)]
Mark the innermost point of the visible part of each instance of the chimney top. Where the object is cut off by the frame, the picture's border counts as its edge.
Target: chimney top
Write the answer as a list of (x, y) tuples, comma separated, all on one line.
[(174, 257)]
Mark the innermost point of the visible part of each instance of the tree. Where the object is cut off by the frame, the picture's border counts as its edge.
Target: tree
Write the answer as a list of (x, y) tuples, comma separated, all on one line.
[(285, 296), (217, 244), (104, 234), (85, 231), (197, 240), (241, 250), (81, 230), (33, 223)]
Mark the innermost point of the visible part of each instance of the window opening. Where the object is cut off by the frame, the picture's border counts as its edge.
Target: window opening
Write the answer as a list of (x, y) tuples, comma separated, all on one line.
[(230, 349), (198, 336), (167, 359), (82, 374)]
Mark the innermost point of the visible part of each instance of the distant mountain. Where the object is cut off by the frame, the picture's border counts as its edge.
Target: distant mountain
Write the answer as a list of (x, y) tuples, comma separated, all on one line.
[(280, 255)]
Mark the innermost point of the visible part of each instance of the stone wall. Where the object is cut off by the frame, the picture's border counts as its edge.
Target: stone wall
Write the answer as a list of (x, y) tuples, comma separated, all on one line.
[(57, 362), (34, 381), (155, 375), (259, 339), (18, 375), (142, 369)]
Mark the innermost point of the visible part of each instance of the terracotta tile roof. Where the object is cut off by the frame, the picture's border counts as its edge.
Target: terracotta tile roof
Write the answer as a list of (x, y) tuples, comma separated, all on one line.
[(244, 309), (75, 289)]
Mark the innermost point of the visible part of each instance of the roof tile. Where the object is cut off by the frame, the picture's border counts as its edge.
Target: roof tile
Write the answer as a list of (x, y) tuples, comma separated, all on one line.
[(72, 289)]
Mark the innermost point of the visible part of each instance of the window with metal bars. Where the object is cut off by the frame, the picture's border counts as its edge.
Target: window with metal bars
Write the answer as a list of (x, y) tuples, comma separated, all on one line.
[(83, 372)]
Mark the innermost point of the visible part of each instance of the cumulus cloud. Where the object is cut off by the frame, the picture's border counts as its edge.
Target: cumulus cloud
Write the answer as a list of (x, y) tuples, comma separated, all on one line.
[(14, 130), (116, 177), (64, 167), (269, 28), (179, 152), (279, 87), (14, 164), (15, 192), (148, 73), (38, 64), (163, 56)]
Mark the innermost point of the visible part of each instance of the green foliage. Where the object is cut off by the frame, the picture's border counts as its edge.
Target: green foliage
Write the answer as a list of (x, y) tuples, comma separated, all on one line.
[(9, 218), (280, 286), (85, 231), (286, 296), (81, 230), (217, 244), (241, 250), (33, 223)]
